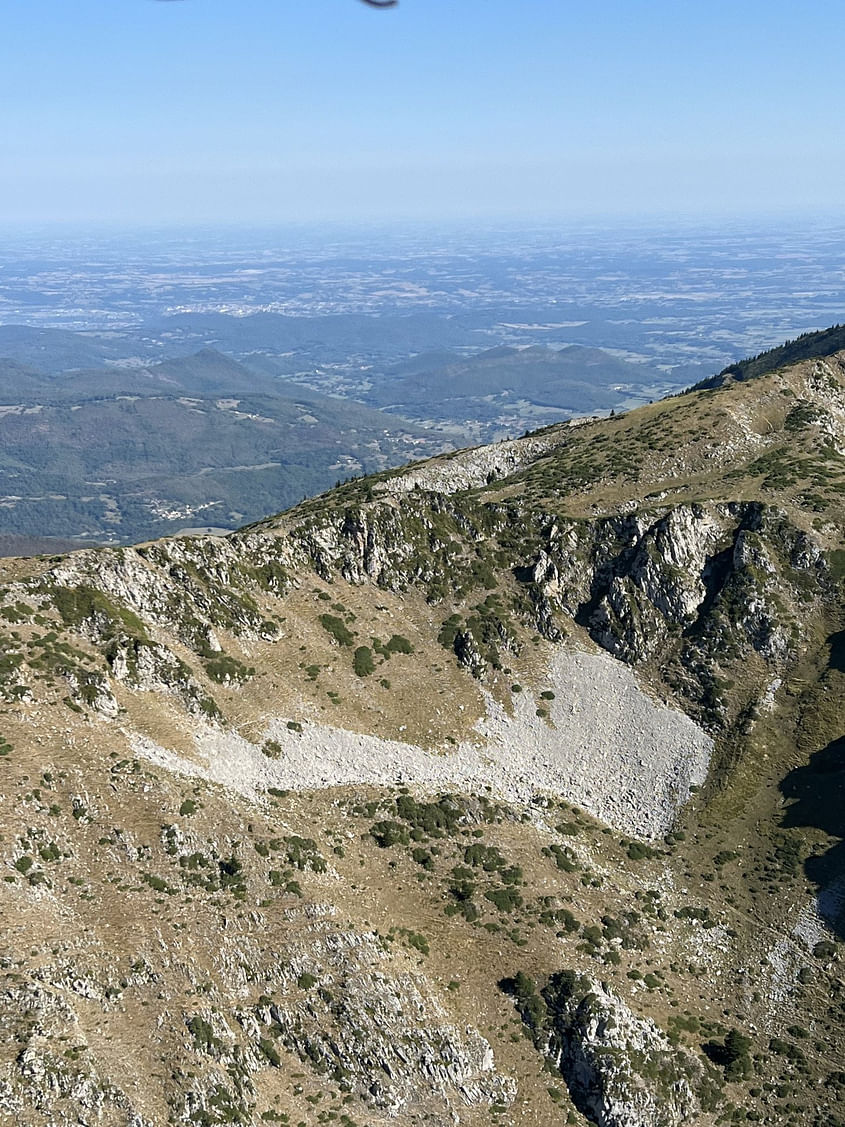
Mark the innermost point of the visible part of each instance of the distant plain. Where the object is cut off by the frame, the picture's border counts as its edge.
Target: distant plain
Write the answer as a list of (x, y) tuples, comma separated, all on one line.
[(176, 379)]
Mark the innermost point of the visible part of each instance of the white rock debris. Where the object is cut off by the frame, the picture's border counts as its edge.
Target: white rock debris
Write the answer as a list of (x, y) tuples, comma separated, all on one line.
[(607, 747)]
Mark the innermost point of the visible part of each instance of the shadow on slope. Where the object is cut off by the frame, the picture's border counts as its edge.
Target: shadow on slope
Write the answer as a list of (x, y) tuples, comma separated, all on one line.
[(817, 791)]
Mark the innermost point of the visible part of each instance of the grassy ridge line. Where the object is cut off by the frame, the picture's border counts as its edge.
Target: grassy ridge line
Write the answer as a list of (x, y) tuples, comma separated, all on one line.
[(807, 346)]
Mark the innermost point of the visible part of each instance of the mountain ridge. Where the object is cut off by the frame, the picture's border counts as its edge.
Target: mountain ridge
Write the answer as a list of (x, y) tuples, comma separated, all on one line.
[(481, 759), (807, 346)]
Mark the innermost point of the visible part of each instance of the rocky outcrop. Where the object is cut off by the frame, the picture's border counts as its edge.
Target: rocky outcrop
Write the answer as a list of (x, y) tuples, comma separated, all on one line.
[(188, 586), (635, 579), (693, 589), (480, 466), (364, 545), (644, 583), (53, 1074), (348, 1014), (150, 667), (620, 1069), (386, 1033)]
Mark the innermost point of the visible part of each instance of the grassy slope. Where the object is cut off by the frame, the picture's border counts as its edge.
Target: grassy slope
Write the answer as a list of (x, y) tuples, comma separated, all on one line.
[(738, 859)]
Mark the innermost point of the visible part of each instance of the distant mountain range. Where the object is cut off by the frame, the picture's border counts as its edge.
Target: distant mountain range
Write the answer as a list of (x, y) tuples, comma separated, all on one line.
[(125, 454), (213, 420), (443, 385)]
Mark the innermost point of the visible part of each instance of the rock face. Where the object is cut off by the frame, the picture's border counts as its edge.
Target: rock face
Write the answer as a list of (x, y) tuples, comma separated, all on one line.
[(346, 1014), (620, 1069), (339, 1007), (48, 1080), (470, 468), (638, 581), (386, 1033)]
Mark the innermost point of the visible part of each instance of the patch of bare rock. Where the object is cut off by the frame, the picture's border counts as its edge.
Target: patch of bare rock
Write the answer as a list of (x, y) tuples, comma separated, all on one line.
[(605, 746)]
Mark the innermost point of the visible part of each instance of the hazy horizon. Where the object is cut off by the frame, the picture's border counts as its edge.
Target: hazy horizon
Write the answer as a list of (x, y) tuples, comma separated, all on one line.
[(258, 112)]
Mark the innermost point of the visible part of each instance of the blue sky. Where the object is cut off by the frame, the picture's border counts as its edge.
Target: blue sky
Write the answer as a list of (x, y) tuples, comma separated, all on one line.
[(249, 111)]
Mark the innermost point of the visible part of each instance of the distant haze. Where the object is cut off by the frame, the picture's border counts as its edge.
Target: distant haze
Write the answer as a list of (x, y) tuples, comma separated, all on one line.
[(266, 111)]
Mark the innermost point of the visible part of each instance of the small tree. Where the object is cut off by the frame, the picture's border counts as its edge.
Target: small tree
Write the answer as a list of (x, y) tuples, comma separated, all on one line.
[(731, 1055)]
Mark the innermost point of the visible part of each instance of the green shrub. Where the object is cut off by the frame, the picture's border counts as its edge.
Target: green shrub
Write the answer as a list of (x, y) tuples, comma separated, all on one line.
[(232, 877), (504, 899), (432, 819), (530, 1005), (397, 644), (202, 1033), (268, 1049), (303, 853), (208, 707), (732, 1055), (224, 669), (692, 913), (592, 935), (560, 917), (788, 854), (486, 857), (419, 943), (362, 662), (157, 884), (388, 833), (449, 631), (564, 858), (86, 604), (338, 629)]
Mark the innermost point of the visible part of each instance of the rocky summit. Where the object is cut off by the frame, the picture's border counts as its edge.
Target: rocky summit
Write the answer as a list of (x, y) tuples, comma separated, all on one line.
[(505, 788)]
